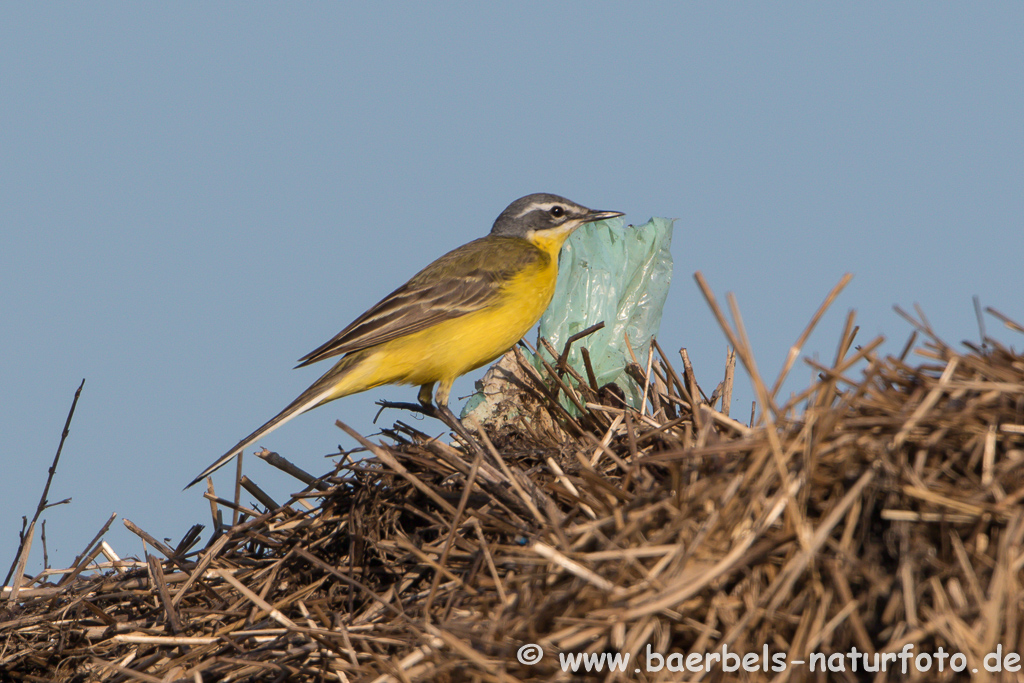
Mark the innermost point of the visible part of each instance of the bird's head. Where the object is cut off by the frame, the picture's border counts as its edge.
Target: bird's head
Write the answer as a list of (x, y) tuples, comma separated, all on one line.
[(545, 217)]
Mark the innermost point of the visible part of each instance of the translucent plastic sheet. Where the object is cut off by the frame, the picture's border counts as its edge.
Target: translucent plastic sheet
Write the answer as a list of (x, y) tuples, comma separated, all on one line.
[(616, 275)]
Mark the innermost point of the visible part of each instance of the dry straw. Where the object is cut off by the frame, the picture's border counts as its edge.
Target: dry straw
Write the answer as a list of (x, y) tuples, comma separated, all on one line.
[(870, 512)]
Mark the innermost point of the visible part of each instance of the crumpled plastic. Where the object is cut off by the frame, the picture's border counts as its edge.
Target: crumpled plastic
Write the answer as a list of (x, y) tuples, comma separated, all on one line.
[(616, 275)]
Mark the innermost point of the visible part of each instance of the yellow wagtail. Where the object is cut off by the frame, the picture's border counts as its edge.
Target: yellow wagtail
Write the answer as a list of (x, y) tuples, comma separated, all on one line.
[(462, 311)]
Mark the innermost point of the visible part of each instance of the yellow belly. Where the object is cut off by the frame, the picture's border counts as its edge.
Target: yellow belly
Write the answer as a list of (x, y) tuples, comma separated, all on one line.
[(452, 348)]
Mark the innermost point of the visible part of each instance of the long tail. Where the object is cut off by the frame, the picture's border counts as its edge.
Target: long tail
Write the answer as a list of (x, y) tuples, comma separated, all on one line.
[(322, 390)]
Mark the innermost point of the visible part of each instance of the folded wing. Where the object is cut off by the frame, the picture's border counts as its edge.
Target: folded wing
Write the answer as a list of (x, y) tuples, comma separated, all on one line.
[(460, 282)]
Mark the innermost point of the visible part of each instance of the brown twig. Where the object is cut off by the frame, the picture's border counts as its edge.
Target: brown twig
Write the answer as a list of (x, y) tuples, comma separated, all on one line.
[(21, 557)]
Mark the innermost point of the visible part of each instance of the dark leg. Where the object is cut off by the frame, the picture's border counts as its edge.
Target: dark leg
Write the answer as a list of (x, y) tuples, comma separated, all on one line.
[(438, 411), (424, 395), (444, 413)]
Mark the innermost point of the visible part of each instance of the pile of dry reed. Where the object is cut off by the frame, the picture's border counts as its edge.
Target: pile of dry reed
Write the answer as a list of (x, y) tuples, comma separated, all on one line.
[(870, 512)]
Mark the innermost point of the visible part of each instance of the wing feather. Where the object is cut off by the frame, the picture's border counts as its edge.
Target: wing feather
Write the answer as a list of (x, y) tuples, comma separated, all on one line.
[(460, 282)]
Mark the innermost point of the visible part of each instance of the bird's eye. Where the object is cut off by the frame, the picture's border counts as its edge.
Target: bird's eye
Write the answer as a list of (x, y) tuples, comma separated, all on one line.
[(557, 211)]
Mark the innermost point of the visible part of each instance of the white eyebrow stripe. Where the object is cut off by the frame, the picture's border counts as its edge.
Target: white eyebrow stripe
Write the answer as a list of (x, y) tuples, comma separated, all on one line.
[(544, 206)]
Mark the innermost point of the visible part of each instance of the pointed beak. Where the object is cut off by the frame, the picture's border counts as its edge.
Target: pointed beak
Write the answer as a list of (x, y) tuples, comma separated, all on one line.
[(593, 216)]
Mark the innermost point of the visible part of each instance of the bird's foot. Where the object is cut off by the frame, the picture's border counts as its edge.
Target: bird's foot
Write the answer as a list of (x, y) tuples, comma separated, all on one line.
[(442, 413), (420, 408)]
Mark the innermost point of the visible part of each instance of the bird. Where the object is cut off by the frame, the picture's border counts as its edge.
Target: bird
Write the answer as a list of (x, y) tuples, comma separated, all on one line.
[(459, 313)]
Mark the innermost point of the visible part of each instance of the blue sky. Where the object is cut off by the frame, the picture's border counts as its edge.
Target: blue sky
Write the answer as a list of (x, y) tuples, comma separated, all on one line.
[(195, 195)]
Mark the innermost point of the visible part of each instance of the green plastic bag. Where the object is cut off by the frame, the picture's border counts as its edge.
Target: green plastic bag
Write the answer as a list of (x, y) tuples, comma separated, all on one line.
[(616, 275)]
